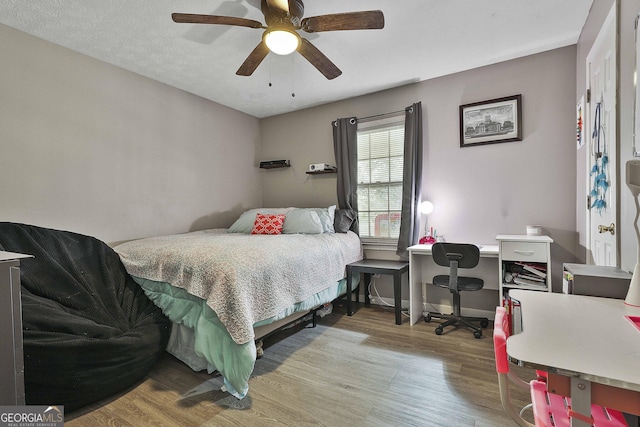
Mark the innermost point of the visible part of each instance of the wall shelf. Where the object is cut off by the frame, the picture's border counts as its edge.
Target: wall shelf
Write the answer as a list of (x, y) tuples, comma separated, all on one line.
[(320, 172), (275, 164)]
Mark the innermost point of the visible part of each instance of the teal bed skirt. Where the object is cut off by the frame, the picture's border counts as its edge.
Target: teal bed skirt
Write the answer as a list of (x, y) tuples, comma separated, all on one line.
[(212, 342)]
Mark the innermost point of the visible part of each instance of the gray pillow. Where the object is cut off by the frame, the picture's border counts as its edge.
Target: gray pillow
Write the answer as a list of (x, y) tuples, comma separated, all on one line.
[(344, 219), (302, 221)]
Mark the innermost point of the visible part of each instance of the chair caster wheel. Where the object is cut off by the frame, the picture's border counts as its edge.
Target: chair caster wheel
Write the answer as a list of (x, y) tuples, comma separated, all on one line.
[(484, 323), (427, 318), (439, 331), (477, 334)]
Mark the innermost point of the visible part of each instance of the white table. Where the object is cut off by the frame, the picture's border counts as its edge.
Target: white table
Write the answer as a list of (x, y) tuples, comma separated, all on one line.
[(590, 348), (422, 268)]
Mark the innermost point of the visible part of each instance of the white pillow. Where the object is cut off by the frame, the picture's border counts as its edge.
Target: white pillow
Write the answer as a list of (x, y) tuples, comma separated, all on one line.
[(244, 224), (327, 217), (302, 221)]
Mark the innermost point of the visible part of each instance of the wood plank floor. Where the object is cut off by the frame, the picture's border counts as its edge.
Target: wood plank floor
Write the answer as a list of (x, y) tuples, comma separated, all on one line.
[(348, 371)]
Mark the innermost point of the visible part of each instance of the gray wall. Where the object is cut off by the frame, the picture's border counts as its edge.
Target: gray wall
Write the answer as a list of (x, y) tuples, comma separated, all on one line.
[(95, 149), (478, 191), (98, 150)]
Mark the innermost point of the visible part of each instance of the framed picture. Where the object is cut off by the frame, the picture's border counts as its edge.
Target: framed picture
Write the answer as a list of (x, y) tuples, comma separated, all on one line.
[(490, 122)]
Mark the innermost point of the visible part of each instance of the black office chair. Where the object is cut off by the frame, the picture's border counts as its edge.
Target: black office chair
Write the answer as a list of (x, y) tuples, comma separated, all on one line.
[(455, 256)]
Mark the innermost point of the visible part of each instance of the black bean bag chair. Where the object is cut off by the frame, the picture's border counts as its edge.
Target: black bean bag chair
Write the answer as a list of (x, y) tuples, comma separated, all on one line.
[(89, 329)]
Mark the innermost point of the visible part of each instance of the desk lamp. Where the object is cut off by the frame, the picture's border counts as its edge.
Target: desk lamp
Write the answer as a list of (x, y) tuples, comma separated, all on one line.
[(426, 208), (633, 182)]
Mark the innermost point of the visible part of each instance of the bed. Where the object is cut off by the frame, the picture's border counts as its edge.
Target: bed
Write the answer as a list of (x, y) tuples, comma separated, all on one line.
[(225, 288)]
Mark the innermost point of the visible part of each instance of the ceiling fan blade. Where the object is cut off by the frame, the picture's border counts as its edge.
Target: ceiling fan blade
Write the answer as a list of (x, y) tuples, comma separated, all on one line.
[(253, 60), (280, 5), (189, 18), (318, 60), (366, 20)]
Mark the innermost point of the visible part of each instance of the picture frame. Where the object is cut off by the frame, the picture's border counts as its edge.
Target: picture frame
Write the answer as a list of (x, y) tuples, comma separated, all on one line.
[(491, 122)]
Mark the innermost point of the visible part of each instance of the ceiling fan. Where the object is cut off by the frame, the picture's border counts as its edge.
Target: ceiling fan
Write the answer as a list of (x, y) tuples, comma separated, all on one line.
[(284, 18)]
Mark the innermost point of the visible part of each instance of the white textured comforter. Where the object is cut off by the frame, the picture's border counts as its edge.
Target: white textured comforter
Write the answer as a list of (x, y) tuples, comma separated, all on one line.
[(243, 278)]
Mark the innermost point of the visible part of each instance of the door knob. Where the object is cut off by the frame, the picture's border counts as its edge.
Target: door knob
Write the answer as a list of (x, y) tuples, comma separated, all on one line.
[(611, 229)]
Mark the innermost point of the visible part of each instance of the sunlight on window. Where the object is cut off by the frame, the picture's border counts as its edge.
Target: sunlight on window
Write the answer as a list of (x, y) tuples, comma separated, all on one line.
[(380, 169)]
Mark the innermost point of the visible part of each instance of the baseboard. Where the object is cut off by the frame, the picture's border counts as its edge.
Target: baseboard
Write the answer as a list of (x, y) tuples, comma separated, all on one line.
[(440, 308), (473, 312)]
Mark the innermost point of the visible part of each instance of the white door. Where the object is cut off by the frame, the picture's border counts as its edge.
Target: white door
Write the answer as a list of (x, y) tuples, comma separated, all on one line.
[(601, 132)]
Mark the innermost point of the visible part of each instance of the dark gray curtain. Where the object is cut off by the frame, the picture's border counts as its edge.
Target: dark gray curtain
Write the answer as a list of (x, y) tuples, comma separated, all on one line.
[(345, 146), (411, 180)]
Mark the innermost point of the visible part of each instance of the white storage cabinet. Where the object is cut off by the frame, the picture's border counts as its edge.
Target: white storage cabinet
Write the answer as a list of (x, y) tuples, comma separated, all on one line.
[(524, 262)]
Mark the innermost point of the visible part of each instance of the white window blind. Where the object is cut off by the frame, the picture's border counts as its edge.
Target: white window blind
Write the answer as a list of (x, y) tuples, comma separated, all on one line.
[(380, 167)]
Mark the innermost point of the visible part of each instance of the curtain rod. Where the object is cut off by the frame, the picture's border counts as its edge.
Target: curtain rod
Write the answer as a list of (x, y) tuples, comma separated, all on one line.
[(379, 115)]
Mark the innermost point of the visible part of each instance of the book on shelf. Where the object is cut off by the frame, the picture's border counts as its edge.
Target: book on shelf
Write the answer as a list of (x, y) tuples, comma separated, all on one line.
[(519, 280), (522, 278), (537, 269), (506, 303), (531, 277), (516, 322), (514, 314)]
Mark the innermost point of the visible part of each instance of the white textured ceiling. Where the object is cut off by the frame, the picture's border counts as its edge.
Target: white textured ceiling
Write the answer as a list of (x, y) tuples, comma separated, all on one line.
[(422, 39)]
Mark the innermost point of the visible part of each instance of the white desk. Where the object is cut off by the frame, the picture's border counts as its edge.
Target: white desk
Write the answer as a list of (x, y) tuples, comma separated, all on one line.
[(587, 342), (422, 269)]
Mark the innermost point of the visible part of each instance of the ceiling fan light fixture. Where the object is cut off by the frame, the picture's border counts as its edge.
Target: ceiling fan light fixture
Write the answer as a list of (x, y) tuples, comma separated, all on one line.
[(281, 41)]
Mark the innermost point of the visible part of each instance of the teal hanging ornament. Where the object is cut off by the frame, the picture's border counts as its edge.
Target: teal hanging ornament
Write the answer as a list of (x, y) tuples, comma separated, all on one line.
[(600, 167)]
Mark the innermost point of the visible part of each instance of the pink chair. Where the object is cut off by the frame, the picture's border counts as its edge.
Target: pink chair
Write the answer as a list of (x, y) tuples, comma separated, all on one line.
[(549, 410)]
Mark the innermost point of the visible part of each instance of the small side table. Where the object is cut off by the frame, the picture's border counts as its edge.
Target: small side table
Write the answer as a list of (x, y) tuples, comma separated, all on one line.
[(376, 266), (12, 390)]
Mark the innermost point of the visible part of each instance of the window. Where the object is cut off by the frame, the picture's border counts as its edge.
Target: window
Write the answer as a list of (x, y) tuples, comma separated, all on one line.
[(380, 164)]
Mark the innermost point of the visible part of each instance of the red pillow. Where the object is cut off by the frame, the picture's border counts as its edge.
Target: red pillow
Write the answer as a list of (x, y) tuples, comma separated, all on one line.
[(268, 224)]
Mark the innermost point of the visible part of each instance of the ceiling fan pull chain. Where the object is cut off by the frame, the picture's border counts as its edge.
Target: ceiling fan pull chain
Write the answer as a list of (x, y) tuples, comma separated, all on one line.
[(293, 78)]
